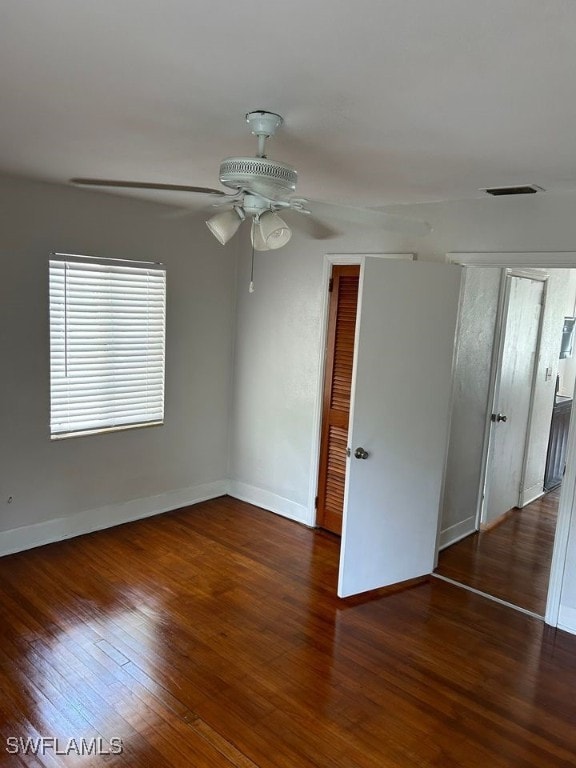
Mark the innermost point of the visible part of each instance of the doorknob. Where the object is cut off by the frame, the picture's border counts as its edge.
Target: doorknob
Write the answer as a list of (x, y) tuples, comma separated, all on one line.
[(360, 453), (499, 417)]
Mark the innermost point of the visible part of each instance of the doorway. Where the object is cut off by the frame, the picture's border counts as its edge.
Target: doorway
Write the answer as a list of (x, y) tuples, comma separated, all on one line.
[(342, 309), (508, 552)]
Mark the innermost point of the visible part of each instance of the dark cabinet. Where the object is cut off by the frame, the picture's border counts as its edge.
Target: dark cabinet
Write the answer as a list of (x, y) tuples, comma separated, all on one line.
[(557, 444)]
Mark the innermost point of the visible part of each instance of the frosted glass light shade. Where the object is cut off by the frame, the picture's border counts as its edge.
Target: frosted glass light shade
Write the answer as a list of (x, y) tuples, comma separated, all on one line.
[(274, 231), (223, 225), (257, 239)]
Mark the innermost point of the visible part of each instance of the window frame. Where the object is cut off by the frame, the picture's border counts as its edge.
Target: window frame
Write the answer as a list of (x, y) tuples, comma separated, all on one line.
[(118, 273)]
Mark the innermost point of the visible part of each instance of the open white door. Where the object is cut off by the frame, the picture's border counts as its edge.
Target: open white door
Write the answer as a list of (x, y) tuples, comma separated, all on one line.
[(406, 325)]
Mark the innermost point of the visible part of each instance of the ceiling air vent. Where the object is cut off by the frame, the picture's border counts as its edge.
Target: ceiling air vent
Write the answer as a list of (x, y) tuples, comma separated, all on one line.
[(525, 189)]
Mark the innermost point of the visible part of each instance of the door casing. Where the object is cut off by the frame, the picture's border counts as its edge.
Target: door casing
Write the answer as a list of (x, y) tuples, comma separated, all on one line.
[(331, 259), (334, 415)]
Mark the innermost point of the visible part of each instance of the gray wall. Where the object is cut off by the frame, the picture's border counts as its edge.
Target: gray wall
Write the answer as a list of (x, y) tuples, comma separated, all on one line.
[(65, 487), (279, 356)]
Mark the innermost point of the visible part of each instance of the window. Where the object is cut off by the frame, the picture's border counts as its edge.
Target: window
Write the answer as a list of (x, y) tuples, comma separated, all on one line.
[(107, 340)]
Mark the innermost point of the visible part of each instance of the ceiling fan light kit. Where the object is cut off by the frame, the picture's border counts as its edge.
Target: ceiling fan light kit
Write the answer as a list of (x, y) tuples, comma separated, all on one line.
[(269, 232), (261, 188), (274, 230), (224, 225)]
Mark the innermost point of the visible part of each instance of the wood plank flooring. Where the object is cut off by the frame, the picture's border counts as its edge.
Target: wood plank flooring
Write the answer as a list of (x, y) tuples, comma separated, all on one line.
[(212, 636), (511, 561)]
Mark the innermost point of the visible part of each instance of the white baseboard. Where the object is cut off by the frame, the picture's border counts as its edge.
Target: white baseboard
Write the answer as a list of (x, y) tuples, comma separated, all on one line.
[(531, 494), (567, 619), (29, 536), (457, 532), (270, 501)]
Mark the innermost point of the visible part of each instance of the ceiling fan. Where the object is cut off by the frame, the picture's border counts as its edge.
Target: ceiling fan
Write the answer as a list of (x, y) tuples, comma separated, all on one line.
[(261, 188)]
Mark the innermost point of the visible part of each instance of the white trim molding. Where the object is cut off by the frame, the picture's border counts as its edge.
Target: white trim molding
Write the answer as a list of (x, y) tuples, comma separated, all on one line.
[(567, 619), (358, 258), (528, 495), (457, 532), (90, 520), (527, 259), (272, 502)]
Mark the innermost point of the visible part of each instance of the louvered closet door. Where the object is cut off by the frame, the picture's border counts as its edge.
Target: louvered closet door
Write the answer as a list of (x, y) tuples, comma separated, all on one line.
[(336, 403)]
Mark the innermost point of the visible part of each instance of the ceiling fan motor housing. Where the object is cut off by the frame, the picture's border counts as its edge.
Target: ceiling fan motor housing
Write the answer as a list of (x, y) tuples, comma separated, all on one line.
[(269, 178)]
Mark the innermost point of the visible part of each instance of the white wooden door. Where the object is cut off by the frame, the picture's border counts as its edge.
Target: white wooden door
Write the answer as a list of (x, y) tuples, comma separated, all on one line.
[(406, 324), (513, 394)]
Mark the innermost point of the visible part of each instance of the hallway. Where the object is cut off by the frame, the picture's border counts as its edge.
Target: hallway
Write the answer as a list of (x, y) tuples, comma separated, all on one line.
[(511, 561)]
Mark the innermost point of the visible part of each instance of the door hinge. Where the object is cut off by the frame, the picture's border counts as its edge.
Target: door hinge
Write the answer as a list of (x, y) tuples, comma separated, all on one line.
[(331, 285), (316, 503)]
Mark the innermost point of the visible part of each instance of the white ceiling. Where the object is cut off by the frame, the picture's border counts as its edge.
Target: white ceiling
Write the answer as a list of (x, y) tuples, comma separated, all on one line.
[(384, 100)]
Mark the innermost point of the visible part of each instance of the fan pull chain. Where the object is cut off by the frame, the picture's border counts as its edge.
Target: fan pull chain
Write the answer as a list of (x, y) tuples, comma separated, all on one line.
[(251, 287)]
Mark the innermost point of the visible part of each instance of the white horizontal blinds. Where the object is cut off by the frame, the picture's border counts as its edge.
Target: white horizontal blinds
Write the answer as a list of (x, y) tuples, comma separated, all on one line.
[(107, 340)]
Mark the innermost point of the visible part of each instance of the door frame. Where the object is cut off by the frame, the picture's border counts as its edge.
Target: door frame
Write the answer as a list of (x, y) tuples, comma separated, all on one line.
[(495, 374), (330, 260), (567, 503), (338, 272)]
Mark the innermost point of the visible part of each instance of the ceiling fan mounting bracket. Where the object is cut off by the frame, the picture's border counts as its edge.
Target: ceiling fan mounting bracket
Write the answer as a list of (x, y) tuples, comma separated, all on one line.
[(263, 123)]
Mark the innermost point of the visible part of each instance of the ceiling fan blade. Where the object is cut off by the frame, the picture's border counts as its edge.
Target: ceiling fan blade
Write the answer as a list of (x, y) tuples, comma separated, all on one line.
[(144, 185), (310, 226), (368, 216)]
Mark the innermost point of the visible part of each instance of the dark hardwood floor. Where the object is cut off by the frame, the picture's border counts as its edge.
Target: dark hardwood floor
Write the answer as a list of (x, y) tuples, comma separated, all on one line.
[(511, 561), (212, 636)]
